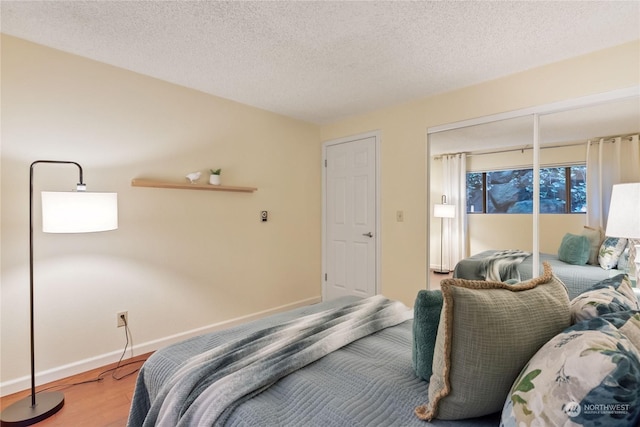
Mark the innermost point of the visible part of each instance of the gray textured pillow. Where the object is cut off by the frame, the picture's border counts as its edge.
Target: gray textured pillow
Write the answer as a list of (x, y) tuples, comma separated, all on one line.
[(595, 236), (488, 331)]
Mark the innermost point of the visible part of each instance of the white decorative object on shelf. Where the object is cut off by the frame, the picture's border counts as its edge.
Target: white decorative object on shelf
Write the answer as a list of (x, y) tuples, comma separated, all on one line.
[(214, 178), (193, 177)]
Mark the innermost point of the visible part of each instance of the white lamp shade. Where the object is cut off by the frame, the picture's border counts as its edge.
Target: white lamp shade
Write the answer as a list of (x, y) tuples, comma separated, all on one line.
[(624, 211), (79, 212), (444, 211)]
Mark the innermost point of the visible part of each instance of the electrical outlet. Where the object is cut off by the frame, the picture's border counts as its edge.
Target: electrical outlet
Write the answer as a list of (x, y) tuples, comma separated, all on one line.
[(123, 322)]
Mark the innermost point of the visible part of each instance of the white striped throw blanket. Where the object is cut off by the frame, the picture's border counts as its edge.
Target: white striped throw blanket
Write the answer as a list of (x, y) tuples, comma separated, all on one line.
[(503, 265), (207, 388)]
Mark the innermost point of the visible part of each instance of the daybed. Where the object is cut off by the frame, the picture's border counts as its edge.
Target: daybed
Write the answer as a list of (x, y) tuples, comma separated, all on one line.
[(582, 260), (474, 342), (577, 278)]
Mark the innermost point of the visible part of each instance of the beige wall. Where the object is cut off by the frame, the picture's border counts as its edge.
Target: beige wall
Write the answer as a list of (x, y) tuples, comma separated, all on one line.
[(403, 133), (180, 260)]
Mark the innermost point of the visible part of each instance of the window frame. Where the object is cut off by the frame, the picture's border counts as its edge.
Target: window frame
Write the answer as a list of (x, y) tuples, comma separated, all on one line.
[(568, 186)]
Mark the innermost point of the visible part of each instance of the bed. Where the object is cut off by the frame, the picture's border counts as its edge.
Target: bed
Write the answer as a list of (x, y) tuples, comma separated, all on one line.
[(576, 278), (367, 382)]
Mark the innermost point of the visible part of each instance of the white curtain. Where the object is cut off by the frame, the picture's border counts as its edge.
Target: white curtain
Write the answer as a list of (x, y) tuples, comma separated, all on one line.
[(609, 161), (454, 178)]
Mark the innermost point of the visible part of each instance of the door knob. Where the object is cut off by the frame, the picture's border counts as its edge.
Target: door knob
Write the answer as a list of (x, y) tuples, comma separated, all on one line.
[(367, 234)]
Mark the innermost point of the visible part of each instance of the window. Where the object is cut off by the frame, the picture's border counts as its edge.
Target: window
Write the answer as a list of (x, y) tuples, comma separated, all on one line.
[(562, 190)]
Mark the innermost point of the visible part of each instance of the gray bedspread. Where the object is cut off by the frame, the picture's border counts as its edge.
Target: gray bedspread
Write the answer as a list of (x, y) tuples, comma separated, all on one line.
[(369, 382), (577, 278)]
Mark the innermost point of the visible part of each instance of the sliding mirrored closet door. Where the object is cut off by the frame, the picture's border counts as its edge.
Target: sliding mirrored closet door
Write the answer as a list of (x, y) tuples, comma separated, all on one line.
[(525, 173)]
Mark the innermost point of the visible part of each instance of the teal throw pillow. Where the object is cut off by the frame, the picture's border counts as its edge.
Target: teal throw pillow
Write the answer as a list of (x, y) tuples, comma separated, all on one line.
[(426, 319), (574, 249)]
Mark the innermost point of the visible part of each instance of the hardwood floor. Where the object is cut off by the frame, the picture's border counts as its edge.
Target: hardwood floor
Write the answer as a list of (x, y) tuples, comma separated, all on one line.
[(436, 278), (95, 404)]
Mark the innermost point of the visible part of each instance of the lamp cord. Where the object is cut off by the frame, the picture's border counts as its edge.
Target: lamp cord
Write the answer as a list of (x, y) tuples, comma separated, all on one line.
[(113, 370), (127, 333)]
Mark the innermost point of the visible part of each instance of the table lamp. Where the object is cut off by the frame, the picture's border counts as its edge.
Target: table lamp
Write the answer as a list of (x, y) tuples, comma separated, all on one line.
[(624, 217)]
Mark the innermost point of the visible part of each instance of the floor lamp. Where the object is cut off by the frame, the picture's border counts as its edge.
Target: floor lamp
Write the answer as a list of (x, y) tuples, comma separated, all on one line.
[(62, 212), (624, 217), (443, 211)]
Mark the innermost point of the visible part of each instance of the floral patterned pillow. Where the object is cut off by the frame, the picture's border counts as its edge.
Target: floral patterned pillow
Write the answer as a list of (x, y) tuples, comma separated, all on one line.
[(587, 375), (611, 295), (627, 322), (610, 252)]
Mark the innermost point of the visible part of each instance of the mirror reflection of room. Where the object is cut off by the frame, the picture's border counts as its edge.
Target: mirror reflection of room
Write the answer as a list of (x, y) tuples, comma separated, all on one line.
[(499, 229)]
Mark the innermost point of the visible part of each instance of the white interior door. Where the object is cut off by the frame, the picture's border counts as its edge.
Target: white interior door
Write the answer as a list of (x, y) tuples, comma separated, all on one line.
[(350, 241)]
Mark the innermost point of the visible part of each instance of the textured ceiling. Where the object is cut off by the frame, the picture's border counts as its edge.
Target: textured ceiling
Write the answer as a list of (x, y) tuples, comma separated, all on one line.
[(323, 61)]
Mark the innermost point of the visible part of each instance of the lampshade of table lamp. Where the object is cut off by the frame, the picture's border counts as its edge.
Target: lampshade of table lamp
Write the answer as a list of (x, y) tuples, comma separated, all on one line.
[(624, 215), (442, 211), (62, 212)]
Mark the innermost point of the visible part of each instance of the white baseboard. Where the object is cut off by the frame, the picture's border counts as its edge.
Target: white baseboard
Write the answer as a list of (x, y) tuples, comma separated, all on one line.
[(64, 371)]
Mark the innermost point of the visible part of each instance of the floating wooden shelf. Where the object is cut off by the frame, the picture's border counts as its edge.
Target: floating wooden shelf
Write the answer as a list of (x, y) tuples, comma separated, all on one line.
[(137, 182)]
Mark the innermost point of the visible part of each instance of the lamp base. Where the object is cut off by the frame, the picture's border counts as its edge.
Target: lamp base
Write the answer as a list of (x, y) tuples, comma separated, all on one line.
[(441, 271), (22, 413)]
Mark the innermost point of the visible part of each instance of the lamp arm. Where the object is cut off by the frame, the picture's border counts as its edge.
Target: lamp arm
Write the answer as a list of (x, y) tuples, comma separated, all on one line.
[(66, 162), (31, 288)]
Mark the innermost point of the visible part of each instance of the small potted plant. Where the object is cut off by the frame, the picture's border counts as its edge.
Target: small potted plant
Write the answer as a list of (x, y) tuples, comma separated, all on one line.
[(214, 179)]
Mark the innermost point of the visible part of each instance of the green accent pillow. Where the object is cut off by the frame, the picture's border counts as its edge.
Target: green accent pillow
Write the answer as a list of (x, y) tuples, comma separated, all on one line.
[(488, 332), (574, 249), (426, 318)]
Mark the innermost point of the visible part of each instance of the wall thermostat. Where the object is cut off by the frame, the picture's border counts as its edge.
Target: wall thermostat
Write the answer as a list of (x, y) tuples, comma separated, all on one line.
[(264, 215)]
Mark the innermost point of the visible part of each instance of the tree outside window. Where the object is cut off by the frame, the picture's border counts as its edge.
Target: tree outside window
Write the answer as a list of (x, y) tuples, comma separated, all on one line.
[(511, 191)]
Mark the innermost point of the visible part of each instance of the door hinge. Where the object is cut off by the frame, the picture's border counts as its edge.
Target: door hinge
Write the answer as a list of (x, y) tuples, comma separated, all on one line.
[(325, 277), (325, 163)]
